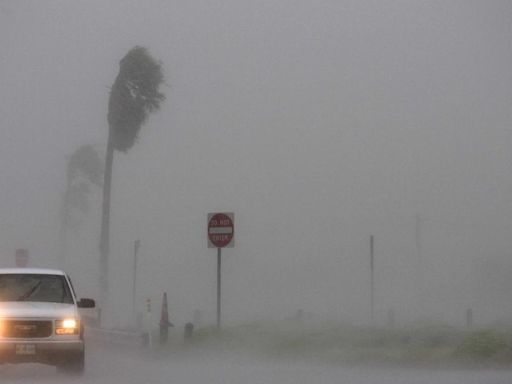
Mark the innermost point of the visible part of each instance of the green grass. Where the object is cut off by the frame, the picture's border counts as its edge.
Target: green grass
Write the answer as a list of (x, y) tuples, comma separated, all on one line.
[(486, 345), (439, 345)]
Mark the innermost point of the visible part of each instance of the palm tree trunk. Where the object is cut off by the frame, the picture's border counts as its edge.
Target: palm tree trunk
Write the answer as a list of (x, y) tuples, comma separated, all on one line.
[(105, 223), (64, 215)]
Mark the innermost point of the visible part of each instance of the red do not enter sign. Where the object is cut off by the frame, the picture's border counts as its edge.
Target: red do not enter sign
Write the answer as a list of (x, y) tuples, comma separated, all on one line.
[(221, 230)]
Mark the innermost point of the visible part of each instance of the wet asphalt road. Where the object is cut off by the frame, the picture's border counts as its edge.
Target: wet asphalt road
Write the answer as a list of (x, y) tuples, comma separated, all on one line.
[(123, 365)]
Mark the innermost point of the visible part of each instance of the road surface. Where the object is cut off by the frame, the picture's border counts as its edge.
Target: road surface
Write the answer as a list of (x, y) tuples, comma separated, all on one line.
[(115, 365)]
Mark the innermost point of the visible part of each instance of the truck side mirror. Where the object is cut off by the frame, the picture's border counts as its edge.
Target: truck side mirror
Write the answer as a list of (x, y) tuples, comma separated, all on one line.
[(86, 303)]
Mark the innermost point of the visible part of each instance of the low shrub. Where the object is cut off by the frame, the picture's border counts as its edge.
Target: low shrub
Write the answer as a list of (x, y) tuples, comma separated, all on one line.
[(482, 345)]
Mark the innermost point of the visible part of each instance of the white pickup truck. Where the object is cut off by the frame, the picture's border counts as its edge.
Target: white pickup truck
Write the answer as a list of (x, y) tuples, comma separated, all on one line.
[(39, 319)]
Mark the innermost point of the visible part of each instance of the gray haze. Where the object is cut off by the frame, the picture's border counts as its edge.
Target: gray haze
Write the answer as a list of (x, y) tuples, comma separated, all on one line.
[(319, 123)]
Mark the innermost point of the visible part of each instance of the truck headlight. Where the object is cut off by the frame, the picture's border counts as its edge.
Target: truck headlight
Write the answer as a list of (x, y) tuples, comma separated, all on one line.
[(66, 327)]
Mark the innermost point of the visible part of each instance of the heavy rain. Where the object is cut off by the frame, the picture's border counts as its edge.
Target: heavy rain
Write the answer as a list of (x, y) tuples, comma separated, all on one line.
[(264, 191)]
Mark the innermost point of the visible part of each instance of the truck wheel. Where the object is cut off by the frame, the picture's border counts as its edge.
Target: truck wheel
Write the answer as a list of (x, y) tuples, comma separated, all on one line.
[(74, 364)]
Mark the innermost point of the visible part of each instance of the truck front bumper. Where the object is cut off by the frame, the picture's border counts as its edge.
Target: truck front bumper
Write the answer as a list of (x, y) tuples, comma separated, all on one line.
[(42, 351)]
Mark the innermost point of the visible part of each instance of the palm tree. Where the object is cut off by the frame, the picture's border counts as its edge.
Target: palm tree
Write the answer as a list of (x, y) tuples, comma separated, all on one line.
[(84, 169), (134, 95)]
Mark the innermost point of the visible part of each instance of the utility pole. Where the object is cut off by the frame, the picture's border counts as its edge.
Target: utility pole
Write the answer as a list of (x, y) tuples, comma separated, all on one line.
[(372, 284), (136, 246), (417, 236), (420, 262)]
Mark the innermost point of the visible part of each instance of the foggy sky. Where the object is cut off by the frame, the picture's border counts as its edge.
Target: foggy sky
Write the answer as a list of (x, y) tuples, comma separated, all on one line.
[(318, 123)]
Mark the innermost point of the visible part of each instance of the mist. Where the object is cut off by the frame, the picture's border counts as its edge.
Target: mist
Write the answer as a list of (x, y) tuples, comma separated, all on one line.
[(319, 124)]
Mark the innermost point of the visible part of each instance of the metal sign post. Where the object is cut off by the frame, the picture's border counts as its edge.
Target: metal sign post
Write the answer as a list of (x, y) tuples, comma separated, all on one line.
[(221, 231), (218, 286), (372, 282)]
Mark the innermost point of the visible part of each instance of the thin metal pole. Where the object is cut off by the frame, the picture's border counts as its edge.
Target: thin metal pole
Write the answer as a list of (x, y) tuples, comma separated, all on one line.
[(419, 263), (372, 285), (136, 245), (218, 286)]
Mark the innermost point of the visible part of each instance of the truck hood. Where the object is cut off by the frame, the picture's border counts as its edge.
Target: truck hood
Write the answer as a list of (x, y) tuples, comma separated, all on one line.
[(26, 309)]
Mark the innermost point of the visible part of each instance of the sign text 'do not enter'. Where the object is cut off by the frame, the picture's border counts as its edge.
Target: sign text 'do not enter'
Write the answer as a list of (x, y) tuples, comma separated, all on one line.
[(221, 230)]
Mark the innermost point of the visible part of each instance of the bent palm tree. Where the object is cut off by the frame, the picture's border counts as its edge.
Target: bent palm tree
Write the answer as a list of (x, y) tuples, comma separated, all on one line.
[(134, 95), (84, 169)]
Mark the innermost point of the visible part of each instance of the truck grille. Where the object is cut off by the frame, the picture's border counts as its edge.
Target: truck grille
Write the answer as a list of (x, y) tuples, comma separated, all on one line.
[(22, 329)]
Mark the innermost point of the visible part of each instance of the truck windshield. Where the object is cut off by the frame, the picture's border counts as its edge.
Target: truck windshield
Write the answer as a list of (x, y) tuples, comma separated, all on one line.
[(34, 288)]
